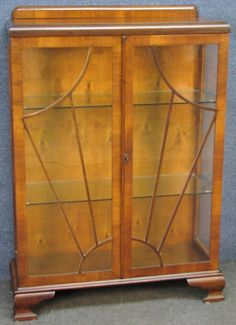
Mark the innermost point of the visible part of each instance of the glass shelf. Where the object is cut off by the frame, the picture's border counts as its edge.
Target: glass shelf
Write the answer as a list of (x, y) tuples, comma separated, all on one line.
[(105, 100), (163, 97), (71, 191)]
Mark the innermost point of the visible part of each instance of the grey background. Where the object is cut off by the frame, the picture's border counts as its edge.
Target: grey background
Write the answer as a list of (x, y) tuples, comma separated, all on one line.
[(221, 9)]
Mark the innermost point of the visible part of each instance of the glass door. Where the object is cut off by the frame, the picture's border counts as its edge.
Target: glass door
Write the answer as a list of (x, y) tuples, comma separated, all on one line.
[(71, 122), (173, 112)]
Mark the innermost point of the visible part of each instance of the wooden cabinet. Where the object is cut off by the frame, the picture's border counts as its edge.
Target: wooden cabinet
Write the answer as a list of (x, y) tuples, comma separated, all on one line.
[(118, 127)]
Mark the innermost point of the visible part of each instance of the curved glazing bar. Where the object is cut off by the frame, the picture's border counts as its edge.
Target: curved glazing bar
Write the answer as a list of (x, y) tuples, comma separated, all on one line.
[(90, 250), (172, 89), (156, 251), (70, 91)]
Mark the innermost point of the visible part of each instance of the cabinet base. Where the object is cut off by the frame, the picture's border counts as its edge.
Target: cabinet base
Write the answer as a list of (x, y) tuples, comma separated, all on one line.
[(213, 284), (25, 298)]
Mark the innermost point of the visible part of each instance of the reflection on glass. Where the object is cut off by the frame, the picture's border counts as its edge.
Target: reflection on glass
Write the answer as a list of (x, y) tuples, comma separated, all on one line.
[(68, 191), (172, 154)]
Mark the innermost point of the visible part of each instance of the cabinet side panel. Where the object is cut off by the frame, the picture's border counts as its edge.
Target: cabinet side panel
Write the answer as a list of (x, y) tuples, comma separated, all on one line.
[(219, 149)]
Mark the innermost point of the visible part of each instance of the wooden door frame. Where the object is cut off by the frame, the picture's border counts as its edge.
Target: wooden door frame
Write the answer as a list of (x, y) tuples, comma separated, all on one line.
[(129, 43), (16, 76)]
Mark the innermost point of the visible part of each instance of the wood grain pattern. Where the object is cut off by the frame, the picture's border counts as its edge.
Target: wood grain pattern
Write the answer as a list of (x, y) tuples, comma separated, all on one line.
[(122, 12), (39, 21), (115, 120), (127, 141)]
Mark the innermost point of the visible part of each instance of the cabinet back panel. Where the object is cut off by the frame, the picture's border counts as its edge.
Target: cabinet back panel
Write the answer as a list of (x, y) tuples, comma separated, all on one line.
[(45, 245), (51, 72)]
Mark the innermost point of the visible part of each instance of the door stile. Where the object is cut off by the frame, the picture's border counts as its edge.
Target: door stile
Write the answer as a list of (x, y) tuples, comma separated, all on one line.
[(116, 154), (18, 165), (127, 143), (22, 258)]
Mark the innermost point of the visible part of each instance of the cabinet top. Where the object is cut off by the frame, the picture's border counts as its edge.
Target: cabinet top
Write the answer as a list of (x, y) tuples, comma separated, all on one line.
[(110, 20)]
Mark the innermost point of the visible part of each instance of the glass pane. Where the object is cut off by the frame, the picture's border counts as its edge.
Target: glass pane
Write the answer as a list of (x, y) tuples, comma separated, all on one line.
[(67, 117), (173, 138)]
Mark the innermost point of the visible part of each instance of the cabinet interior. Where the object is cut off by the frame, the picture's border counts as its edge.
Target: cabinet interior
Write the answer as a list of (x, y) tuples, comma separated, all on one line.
[(68, 155)]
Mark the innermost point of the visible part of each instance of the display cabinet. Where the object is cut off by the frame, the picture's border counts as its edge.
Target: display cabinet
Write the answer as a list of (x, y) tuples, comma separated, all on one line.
[(118, 127)]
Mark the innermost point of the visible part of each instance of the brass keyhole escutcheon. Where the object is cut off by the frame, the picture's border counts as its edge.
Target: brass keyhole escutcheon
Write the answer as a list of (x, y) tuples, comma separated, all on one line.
[(126, 158)]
